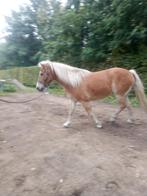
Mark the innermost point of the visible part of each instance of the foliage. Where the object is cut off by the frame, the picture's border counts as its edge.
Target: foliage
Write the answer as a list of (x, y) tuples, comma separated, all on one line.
[(9, 88), (22, 40)]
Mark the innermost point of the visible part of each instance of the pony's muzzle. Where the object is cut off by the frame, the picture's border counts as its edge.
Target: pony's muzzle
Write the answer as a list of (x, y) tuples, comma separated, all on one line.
[(40, 89), (40, 86)]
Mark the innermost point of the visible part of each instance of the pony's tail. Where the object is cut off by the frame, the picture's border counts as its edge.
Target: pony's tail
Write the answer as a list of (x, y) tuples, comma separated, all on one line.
[(139, 90)]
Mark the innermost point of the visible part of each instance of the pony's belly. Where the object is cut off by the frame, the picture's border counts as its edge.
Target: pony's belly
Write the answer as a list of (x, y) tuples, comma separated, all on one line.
[(99, 92), (87, 92), (99, 95), (88, 95)]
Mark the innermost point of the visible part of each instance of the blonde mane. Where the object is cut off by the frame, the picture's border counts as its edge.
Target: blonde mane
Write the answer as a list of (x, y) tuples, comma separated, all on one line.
[(68, 74)]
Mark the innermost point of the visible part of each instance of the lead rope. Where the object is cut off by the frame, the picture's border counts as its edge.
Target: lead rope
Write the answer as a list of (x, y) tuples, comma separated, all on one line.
[(24, 101)]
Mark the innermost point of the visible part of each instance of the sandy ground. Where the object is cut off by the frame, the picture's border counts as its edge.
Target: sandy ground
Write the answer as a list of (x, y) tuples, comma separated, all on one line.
[(38, 157)]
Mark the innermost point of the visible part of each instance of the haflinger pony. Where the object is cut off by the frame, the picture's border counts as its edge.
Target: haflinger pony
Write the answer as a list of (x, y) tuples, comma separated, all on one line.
[(84, 86)]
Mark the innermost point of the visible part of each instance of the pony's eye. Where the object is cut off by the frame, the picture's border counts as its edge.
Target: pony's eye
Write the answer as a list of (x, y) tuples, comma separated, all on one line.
[(41, 74)]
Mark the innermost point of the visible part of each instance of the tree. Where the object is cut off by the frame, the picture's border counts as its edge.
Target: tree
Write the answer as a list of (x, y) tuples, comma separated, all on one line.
[(73, 4), (22, 40), (130, 24), (83, 33), (66, 38)]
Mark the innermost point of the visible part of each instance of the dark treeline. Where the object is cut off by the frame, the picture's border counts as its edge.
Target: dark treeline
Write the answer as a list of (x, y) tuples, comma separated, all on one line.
[(86, 33)]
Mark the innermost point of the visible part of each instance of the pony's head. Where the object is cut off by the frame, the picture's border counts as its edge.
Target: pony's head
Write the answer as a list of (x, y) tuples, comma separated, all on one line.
[(46, 75)]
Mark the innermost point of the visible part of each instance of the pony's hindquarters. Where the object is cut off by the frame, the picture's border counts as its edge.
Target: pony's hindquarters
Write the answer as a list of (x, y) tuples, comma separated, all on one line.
[(139, 90)]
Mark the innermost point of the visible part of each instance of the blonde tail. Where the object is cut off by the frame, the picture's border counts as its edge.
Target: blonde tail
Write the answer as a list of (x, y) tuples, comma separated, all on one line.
[(139, 90)]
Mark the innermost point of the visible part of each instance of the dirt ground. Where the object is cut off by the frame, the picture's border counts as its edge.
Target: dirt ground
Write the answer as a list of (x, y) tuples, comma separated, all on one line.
[(38, 157)]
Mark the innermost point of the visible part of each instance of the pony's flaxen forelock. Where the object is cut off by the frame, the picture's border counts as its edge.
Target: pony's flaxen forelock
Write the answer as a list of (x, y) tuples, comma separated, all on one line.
[(68, 74)]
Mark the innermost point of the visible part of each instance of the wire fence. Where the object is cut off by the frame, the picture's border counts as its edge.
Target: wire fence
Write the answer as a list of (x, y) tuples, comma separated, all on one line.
[(28, 76)]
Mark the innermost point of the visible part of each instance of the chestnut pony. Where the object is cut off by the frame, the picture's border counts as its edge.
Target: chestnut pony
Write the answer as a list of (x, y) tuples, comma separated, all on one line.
[(84, 86)]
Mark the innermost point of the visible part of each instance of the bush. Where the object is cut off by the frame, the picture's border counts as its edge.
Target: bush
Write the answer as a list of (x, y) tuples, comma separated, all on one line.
[(8, 88)]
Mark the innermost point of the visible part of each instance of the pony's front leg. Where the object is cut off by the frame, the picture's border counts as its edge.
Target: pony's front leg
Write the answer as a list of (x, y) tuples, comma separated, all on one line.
[(71, 111), (90, 112)]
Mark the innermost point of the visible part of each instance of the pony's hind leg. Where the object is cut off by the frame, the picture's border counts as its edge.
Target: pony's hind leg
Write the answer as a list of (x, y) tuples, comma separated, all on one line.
[(87, 106), (129, 108), (71, 111), (124, 103)]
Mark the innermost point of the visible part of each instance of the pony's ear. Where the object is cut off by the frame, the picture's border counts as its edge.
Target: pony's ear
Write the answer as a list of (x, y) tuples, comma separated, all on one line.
[(41, 64), (44, 64)]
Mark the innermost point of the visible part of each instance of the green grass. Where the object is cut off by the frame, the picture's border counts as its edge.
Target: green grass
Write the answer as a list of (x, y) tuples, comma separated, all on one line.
[(111, 99), (56, 90)]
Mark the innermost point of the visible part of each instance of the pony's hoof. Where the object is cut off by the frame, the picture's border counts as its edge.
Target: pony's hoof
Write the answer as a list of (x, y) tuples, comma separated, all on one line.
[(112, 119), (99, 126), (66, 125), (130, 121)]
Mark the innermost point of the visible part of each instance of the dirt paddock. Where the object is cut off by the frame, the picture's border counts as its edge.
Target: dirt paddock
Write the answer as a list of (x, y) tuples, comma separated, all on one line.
[(38, 157)]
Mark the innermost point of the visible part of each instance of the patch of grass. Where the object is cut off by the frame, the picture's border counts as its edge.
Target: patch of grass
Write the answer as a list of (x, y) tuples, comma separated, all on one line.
[(3, 93), (134, 101), (111, 99), (56, 91)]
